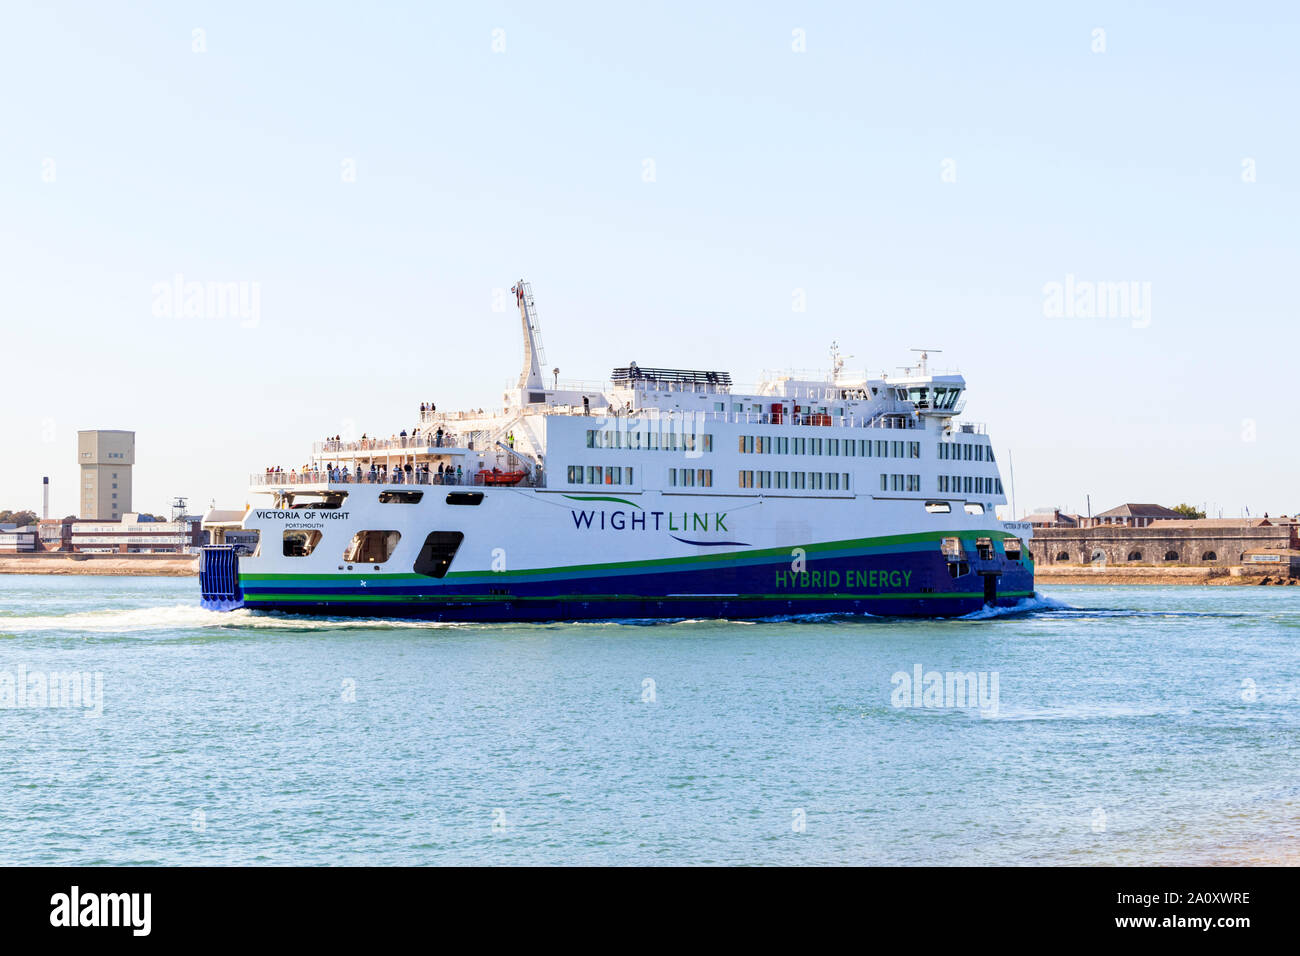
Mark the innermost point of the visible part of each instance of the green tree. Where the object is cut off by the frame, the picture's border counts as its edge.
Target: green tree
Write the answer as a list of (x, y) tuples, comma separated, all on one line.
[(1189, 511), (19, 518)]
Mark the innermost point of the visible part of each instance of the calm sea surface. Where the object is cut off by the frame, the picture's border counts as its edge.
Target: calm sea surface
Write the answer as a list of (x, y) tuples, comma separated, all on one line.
[(1130, 725)]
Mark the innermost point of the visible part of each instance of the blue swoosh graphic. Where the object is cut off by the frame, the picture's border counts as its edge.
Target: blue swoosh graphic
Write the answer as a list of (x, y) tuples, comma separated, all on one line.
[(710, 544)]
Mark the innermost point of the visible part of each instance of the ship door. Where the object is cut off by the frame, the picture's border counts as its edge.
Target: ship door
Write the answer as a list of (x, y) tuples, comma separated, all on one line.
[(990, 589)]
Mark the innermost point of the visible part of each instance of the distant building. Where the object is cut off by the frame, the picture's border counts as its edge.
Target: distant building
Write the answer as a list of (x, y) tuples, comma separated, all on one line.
[(1056, 518), (55, 534), (1219, 542), (105, 458), (1131, 516), (136, 535), (16, 540)]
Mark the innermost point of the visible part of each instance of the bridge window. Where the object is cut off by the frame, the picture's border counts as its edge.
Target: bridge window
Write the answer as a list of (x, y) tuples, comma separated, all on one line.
[(1171, 555), (436, 554), (372, 547), (1209, 556), (299, 544), (1135, 555)]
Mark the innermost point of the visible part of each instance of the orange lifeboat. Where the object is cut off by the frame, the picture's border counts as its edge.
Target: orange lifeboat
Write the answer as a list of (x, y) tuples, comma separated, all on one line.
[(498, 477)]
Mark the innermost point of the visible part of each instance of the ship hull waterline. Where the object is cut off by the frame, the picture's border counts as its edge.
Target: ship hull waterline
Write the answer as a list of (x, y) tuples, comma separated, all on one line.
[(905, 583)]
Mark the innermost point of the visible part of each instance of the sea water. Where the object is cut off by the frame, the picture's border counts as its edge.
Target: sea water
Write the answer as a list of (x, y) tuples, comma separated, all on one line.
[(1104, 725)]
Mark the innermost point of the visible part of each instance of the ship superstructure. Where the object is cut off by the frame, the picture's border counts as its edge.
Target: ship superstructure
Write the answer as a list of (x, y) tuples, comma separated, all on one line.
[(662, 492)]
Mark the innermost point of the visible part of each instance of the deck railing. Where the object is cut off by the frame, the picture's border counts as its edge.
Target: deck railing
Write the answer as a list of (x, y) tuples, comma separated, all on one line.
[(370, 445), (288, 479), (891, 420)]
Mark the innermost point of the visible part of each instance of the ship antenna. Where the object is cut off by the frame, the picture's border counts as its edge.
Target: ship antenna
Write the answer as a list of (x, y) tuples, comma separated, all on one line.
[(925, 355), (837, 362)]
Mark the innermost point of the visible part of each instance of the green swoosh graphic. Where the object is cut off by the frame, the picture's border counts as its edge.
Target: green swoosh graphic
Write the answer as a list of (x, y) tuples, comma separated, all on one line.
[(621, 501)]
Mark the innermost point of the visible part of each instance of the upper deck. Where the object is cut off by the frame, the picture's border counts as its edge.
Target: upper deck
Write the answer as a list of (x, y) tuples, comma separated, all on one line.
[(534, 441)]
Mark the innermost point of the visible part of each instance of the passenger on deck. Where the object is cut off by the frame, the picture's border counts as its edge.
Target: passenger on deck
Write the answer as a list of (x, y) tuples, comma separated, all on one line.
[(438, 437)]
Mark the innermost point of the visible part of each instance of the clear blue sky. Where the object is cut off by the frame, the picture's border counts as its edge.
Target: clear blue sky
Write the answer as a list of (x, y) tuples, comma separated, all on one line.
[(774, 171)]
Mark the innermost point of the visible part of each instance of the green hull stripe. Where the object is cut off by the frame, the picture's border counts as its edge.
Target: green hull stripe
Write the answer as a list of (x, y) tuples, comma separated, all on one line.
[(299, 598), (690, 559)]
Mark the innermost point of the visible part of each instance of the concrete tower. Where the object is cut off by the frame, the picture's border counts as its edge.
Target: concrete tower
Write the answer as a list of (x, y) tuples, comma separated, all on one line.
[(105, 458)]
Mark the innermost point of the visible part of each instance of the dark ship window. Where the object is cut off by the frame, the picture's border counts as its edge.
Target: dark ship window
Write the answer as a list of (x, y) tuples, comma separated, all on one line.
[(400, 497), (439, 549)]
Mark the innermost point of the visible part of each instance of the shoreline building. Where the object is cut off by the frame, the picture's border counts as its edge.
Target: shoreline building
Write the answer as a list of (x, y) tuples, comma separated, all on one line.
[(105, 457), (131, 534), (1135, 536), (17, 540)]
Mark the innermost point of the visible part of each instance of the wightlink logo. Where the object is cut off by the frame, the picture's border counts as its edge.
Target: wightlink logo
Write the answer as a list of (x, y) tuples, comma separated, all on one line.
[(674, 523), (946, 689)]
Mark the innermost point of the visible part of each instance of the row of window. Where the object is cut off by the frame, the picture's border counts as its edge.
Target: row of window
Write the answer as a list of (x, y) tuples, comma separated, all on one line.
[(376, 547), (690, 477), (964, 451), (600, 475), (648, 441), (812, 480), (968, 484), (900, 482), (848, 447), (801, 480)]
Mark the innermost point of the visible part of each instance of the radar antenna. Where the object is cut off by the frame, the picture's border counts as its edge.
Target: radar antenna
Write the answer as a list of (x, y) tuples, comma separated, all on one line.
[(925, 355)]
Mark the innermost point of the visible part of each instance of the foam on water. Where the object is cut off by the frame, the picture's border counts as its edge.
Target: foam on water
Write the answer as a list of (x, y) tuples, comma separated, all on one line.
[(184, 617), (1039, 602), (187, 617)]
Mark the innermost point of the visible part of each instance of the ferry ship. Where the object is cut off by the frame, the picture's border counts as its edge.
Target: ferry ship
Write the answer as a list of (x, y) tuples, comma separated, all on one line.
[(661, 493)]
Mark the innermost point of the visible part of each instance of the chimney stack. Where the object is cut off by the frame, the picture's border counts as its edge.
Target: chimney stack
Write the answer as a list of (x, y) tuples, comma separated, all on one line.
[(45, 507)]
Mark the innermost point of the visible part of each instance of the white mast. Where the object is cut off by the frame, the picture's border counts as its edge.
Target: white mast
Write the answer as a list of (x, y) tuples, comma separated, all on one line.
[(534, 356)]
